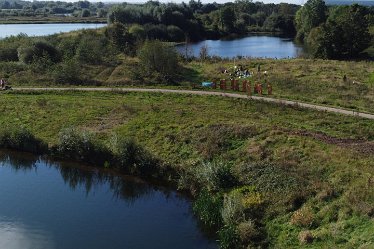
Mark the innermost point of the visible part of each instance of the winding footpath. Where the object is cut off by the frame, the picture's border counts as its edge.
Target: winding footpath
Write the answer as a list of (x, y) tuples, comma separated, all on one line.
[(209, 93)]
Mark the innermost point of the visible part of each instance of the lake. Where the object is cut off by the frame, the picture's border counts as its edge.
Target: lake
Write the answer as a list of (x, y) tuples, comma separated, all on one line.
[(50, 205), (263, 46), (44, 29)]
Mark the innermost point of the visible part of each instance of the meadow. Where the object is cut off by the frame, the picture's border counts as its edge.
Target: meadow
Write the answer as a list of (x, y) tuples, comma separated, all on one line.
[(261, 174)]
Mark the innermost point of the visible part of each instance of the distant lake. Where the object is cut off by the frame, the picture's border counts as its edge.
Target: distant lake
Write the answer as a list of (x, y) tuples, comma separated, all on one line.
[(263, 46), (44, 29), (51, 205)]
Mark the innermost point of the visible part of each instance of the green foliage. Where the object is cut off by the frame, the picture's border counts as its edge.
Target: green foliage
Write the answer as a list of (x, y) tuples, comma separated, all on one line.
[(159, 59), (82, 147), (212, 175), (345, 34), (208, 207), (241, 204), (228, 237), (19, 138), (121, 38), (27, 53), (131, 157), (91, 49), (67, 72), (311, 15)]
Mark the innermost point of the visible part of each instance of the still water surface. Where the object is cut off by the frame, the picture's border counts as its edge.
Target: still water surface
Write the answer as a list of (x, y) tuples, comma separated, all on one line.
[(264, 46), (47, 205), (44, 29)]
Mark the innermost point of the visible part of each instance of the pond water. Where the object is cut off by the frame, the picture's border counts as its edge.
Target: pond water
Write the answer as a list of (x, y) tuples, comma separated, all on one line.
[(264, 46), (44, 29), (48, 205)]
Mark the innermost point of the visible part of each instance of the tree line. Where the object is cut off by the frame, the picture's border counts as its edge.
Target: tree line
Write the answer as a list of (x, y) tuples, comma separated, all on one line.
[(47, 8), (337, 32), (196, 21)]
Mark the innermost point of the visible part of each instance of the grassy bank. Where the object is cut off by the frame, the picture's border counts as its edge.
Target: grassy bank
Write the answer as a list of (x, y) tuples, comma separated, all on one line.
[(262, 174)]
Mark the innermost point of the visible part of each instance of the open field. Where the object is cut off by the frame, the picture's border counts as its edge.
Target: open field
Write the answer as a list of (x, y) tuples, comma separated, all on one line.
[(309, 173)]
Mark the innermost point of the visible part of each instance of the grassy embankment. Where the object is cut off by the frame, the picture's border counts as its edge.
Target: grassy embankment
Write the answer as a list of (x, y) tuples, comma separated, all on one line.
[(276, 176)]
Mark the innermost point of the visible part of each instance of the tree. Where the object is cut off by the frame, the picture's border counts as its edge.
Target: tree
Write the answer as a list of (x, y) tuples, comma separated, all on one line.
[(345, 34), (120, 37), (85, 13), (227, 19), (311, 15), (29, 52), (159, 59)]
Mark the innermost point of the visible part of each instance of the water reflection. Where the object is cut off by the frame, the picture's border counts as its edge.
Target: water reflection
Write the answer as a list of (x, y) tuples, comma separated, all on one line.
[(264, 46), (75, 176), (15, 235), (51, 205), (18, 163)]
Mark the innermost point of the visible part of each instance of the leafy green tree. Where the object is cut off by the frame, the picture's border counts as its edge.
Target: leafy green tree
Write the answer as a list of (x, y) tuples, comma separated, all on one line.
[(227, 19), (159, 59), (311, 15), (354, 36), (345, 34), (29, 52), (121, 38)]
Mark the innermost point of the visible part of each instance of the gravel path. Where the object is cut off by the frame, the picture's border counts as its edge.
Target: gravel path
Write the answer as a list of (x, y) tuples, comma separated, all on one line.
[(231, 95)]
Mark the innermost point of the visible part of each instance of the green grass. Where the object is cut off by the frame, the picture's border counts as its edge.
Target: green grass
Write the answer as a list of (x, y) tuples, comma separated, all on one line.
[(312, 81), (294, 159)]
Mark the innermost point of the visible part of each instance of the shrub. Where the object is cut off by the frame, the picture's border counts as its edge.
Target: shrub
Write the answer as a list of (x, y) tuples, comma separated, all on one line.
[(29, 52), (240, 204), (306, 237), (247, 231), (131, 157), (80, 146), (67, 72), (228, 237), (19, 138), (175, 33), (159, 59), (303, 217), (208, 207)]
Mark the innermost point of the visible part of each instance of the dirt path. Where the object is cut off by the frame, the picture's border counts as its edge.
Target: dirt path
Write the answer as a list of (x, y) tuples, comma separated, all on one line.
[(231, 95)]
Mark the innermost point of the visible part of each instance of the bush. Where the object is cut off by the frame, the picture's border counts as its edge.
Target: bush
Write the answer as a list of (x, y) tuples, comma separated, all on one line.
[(303, 217), (241, 204), (132, 158), (80, 146), (67, 72), (28, 53), (157, 58), (306, 237), (228, 237), (175, 33), (247, 231), (19, 138), (208, 208)]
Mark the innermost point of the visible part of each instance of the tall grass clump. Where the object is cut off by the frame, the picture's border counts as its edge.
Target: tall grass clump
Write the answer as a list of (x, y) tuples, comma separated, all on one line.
[(211, 175), (19, 138), (81, 146), (208, 208)]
